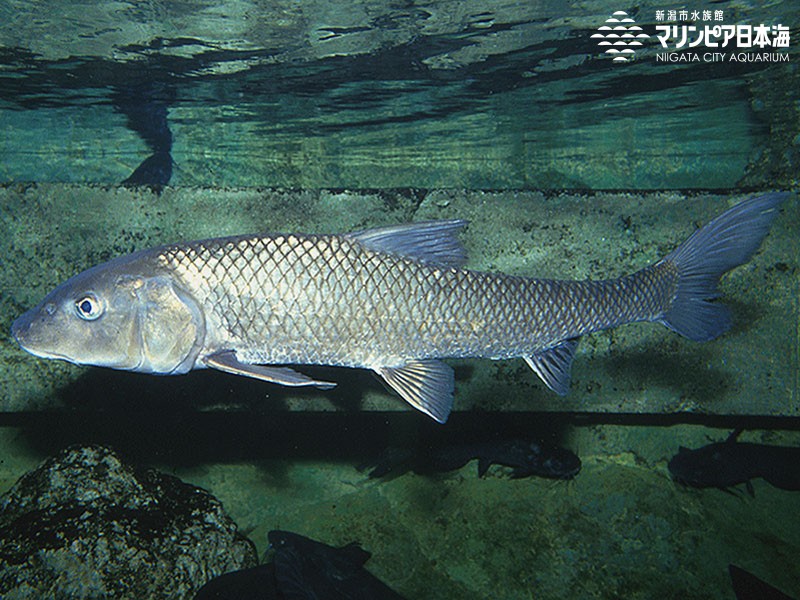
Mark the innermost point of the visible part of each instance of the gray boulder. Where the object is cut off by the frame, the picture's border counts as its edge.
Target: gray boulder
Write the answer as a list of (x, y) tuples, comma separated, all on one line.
[(86, 525)]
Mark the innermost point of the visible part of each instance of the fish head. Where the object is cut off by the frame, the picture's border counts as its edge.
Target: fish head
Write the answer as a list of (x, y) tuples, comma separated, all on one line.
[(709, 466), (560, 463), (124, 314), (284, 539)]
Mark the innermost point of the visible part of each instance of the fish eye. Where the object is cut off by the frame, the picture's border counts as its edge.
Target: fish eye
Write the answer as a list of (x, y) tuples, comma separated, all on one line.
[(89, 307)]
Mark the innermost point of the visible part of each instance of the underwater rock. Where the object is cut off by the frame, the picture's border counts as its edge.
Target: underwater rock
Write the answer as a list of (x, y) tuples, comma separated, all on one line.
[(86, 525)]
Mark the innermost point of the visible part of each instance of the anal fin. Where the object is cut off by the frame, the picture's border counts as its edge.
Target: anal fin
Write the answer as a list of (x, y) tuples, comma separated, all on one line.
[(553, 365), (226, 361), (427, 385)]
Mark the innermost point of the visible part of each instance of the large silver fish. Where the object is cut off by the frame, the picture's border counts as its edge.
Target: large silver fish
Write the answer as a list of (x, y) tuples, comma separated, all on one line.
[(394, 300)]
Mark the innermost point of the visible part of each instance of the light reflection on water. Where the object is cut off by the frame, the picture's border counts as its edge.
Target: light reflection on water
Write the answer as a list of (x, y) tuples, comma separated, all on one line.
[(451, 94)]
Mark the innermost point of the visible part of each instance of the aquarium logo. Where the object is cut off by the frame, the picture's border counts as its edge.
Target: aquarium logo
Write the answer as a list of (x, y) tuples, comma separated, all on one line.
[(742, 43), (700, 36), (620, 36)]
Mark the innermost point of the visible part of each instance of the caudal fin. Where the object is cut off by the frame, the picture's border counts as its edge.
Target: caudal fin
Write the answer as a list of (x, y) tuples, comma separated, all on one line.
[(726, 242)]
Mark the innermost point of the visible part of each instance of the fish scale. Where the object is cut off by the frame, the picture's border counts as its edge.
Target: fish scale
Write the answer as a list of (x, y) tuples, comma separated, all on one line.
[(328, 300), (395, 300)]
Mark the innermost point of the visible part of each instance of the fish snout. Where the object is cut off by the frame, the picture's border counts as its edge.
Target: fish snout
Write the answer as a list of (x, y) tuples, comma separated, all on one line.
[(20, 327), (30, 330)]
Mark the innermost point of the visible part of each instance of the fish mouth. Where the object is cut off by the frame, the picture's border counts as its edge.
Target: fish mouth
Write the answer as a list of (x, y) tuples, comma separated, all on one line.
[(20, 327), (17, 325), (571, 473), (43, 354), (36, 352)]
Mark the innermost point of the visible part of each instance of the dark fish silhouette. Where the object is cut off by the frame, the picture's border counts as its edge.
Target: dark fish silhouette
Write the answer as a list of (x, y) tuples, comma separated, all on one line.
[(305, 568), (146, 106), (525, 457), (725, 464), (747, 586), (156, 169), (302, 569), (257, 583)]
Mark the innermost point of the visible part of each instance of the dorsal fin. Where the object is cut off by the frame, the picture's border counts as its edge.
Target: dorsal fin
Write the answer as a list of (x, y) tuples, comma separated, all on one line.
[(430, 242)]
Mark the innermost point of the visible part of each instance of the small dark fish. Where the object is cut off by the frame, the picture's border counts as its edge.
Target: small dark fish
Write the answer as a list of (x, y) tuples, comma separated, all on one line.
[(725, 464), (257, 583), (302, 569), (392, 461), (146, 106), (307, 569), (524, 457), (747, 586), (155, 170)]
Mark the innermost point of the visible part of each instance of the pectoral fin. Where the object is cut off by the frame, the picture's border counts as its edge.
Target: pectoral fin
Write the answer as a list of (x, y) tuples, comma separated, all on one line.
[(427, 385), (554, 364), (227, 361)]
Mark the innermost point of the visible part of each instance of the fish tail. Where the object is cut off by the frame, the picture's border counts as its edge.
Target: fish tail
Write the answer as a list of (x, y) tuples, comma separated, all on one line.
[(723, 244)]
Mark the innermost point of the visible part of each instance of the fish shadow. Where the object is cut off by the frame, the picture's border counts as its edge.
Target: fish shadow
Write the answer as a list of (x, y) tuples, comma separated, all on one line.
[(685, 373), (209, 417), (207, 390)]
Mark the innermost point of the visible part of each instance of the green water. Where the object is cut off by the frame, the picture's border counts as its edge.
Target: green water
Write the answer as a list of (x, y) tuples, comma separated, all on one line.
[(333, 116), (371, 95)]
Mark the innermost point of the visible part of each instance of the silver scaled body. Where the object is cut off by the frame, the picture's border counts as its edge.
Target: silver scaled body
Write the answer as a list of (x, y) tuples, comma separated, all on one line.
[(395, 300)]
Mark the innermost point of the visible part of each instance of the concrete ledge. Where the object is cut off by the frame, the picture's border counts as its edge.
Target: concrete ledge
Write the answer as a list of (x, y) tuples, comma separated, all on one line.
[(52, 231)]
